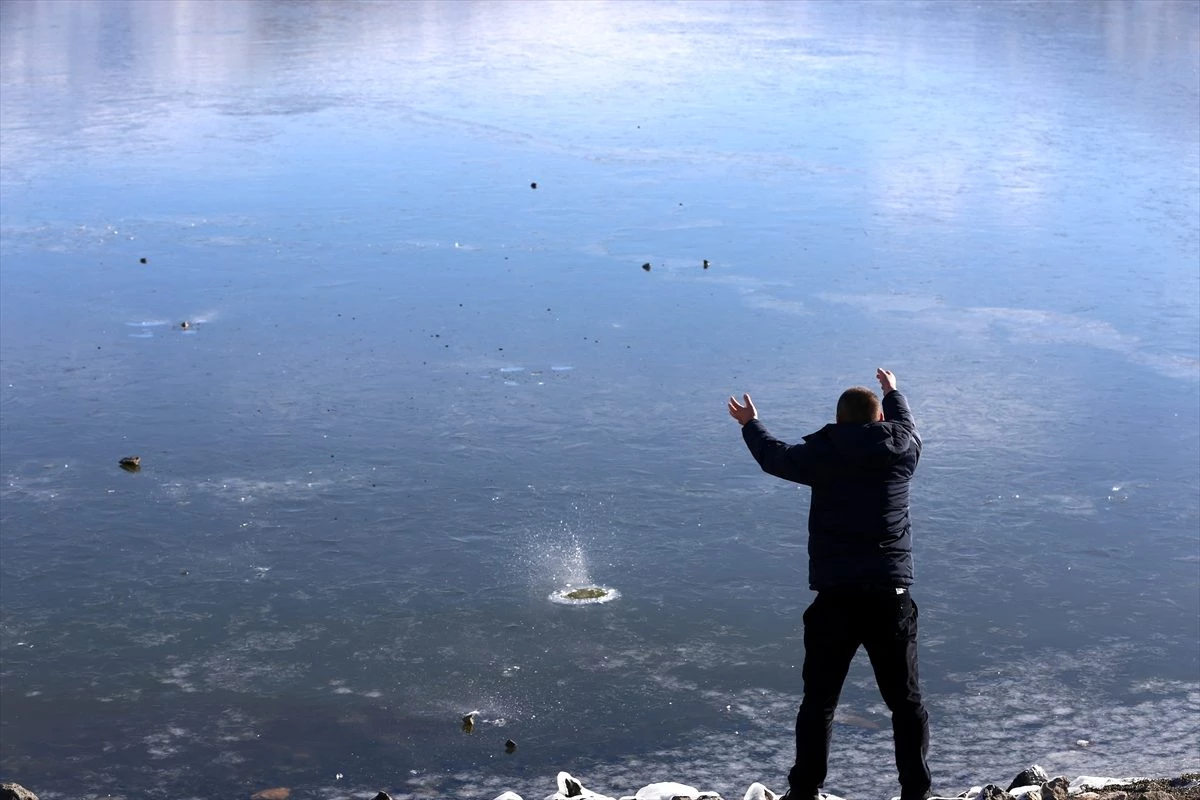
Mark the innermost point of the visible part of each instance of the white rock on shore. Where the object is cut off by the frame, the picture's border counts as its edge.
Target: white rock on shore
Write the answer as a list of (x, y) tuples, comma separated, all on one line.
[(570, 788), (1030, 784)]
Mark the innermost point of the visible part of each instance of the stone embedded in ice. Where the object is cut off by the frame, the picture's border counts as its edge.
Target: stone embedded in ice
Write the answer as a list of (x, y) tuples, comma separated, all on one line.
[(1033, 776), (993, 792), (759, 792), (666, 791), (1027, 792)]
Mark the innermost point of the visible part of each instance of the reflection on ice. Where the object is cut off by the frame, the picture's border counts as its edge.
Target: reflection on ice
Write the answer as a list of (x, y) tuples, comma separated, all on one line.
[(1022, 324), (245, 489)]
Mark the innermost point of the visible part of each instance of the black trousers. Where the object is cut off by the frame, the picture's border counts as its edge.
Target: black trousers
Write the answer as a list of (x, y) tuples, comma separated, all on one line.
[(885, 624)]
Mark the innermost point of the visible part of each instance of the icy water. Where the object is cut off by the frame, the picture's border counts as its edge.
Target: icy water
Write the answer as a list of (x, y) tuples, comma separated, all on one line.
[(416, 397)]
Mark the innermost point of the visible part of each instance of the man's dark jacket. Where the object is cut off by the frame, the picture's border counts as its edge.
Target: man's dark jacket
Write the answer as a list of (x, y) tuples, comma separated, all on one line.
[(858, 528)]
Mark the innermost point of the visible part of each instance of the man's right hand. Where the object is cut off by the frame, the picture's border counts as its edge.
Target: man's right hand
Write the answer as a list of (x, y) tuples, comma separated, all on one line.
[(887, 381)]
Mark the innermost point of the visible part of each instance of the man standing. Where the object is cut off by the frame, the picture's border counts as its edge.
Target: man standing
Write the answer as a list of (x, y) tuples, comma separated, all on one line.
[(860, 564)]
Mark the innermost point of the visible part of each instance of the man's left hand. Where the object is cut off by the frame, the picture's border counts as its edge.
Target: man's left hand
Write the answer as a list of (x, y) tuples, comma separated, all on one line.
[(743, 413)]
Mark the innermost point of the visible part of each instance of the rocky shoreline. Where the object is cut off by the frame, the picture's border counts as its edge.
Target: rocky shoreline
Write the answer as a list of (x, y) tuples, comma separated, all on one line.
[(1030, 784)]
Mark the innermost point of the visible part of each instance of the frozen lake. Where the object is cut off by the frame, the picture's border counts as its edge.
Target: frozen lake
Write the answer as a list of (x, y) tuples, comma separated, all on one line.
[(416, 396)]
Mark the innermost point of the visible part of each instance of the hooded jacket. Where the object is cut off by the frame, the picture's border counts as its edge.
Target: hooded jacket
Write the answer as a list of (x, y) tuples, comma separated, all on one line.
[(858, 526)]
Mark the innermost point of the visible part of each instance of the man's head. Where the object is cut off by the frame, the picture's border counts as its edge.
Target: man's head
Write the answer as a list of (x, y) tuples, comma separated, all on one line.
[(859, 405)]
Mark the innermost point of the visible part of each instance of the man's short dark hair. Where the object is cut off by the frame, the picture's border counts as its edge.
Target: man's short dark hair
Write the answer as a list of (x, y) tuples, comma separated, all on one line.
[(858, 404)]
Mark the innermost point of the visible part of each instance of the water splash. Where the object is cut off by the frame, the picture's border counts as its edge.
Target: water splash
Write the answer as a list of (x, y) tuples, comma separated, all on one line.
[(562, 558), (573, 569)]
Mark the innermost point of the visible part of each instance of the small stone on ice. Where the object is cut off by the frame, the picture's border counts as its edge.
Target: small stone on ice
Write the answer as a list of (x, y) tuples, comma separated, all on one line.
[(510, 746)]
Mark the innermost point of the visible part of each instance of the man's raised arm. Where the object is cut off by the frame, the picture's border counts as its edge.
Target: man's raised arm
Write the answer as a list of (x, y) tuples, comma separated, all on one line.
[(895, 406), (783, 460)]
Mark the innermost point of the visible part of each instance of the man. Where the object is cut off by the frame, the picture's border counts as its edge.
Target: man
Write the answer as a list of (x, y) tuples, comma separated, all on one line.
[(860, 565)]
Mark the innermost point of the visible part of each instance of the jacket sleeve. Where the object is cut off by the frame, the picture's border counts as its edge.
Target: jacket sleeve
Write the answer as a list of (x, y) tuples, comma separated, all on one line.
[(895, 409), (792, 462)]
